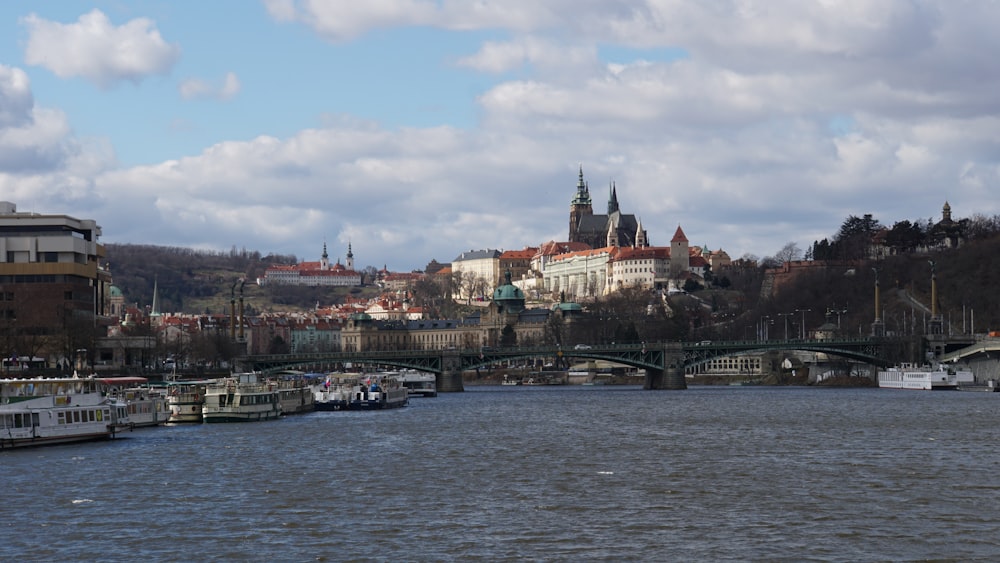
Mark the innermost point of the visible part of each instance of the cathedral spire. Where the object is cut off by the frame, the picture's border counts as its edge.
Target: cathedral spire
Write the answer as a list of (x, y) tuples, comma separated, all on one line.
[(612, 198)]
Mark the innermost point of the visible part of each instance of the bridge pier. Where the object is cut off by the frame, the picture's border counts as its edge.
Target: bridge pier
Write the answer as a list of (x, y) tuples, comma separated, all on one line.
[(450, 378), (449, 382), (672, 374)]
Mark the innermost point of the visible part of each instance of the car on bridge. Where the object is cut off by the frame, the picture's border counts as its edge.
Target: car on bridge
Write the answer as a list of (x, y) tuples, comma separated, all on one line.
[(582, 347)]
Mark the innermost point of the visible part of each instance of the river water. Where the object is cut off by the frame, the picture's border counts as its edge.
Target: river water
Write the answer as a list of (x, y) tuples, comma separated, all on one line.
[(536, 473)]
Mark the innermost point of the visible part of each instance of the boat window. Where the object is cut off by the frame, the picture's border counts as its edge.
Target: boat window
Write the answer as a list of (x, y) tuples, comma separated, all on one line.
[(61, 418), (76, 416), (92, 416)]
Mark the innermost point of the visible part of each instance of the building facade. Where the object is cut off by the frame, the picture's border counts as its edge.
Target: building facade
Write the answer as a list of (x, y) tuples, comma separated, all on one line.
[(55, 296)]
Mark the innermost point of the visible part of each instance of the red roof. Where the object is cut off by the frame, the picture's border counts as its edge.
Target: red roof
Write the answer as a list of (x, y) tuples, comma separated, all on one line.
[(679, 235)]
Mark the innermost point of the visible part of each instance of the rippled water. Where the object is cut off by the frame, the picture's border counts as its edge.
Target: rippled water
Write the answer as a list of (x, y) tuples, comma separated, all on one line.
[(540, 473)]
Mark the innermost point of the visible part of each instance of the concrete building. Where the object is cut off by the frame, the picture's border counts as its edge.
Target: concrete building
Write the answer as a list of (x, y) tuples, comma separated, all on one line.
[(55, 296)]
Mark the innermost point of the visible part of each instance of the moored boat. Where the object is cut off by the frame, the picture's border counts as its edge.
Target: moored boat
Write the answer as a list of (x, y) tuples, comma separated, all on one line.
[(418, 383), (924, 378), (241, 398), (185, 399), (295, 396), (369, 392), (146, 406), (378, 392), (36, 412)]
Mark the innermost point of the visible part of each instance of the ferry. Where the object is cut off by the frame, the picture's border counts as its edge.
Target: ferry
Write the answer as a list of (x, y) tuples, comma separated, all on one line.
[(241, 398), (334, 392), (924, 378), (378, 392), (418, 383), (295, 396), (372, 392), (35, 412), (146, 406), (185, 399)]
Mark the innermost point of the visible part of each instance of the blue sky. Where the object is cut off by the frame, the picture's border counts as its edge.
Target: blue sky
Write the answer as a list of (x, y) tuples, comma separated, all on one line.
[(416, 130)]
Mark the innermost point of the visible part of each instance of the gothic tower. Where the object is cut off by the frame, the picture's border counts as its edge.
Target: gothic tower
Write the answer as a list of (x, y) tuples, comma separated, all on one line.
[(680, 258), (580, 206)]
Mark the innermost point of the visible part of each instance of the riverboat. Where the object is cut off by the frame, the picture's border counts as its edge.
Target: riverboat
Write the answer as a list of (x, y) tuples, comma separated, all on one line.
[(185, 399), (924, 378), (146, 406), (334, 392), (35, 412), (418, 383), (295, 396), (378, 392), (241, 398), (370, 392)]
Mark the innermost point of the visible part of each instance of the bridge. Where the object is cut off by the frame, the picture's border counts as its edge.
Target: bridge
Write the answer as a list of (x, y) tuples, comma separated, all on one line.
[(664, 363)]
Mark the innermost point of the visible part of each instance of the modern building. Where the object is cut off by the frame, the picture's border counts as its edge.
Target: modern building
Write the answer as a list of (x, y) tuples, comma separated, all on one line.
[(55, 296)]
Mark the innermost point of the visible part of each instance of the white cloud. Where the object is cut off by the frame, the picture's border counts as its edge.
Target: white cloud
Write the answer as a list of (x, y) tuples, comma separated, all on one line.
[(784, 118), (198, 89), (95, 49)]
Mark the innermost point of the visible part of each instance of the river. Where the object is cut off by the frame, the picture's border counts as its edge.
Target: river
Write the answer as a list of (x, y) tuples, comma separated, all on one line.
[(537, 473)]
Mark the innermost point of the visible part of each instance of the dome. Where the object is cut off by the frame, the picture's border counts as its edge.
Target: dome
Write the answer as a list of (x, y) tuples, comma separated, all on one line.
[(509, 297), (115, 291)]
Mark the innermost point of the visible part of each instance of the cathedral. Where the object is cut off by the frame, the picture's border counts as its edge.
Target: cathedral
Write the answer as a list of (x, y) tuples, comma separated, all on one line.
[(614, 229)]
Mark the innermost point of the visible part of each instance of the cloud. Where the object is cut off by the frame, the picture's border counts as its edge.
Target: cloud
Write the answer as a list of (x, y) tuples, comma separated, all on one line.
[(197, 89), (98, 51), (783, 118), (40, 160)]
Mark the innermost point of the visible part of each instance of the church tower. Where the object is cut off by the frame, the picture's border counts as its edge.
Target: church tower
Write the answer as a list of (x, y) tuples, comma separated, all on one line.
[(640, 236), (324, 261), (613, 200), (349, 264), (680, 258), (578, 208)]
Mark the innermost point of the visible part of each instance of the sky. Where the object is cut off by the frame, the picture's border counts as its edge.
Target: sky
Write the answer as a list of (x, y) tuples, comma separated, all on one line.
[(417, 130)]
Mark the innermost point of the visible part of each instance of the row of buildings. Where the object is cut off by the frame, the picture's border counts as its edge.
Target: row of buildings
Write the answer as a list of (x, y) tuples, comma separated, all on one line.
[(603, 253)]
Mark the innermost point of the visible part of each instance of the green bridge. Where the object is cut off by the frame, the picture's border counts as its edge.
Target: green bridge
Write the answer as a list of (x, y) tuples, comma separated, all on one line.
[(664, 363)]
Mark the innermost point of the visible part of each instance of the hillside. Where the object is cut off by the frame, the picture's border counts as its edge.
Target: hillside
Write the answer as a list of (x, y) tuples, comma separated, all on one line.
[(193, 281), (198, 282)]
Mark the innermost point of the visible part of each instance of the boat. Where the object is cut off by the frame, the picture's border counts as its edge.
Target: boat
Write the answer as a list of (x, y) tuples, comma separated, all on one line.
[(926, 378), (333, 393), (295, 396), (378, 392), (185, 399), (146, 406), (35, 412), (419, 383), (241, 398), (370, 392)]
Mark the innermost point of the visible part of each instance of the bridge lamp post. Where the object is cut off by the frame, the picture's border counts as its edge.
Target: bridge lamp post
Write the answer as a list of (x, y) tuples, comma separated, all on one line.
[(786, 315), (803, 327)]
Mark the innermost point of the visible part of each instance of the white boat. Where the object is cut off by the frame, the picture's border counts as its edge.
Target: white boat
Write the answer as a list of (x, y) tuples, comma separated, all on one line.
[(241, 398), (36, 412), (378, 392), (418, 383), (925, 378), (185, 399), (295, 396), (334, 392), (146, 406), (369, 392)]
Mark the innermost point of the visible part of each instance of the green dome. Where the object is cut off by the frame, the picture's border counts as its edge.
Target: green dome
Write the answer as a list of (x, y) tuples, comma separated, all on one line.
[(115, 291), (509, 297)]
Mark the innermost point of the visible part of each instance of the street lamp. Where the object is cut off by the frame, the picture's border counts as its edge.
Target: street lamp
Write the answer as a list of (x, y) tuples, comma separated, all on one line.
[(785, 315), (803, 327)]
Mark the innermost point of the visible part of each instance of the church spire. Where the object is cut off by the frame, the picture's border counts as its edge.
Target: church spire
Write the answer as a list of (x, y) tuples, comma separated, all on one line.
[(613, 199), (350, 258), (324, 261)]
